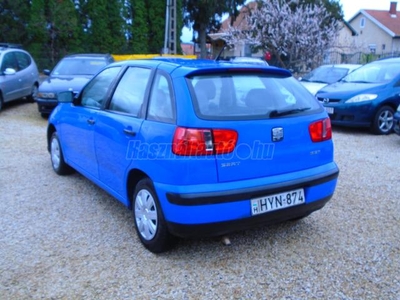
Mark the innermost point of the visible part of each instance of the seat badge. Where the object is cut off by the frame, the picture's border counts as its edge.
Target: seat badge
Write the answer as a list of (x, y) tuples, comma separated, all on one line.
[(277, 134)]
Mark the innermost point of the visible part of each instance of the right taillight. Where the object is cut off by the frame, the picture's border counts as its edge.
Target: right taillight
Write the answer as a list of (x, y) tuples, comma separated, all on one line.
[(194, 142), (320, 130)]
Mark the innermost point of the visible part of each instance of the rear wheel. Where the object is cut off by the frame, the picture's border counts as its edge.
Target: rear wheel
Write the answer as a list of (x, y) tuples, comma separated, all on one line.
[(383, 121), (150, 224), (1, 102), (57, 157)]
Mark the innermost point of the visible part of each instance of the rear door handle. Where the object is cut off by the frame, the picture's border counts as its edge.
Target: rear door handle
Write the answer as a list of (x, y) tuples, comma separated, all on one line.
[(129, 132), (91, 121)]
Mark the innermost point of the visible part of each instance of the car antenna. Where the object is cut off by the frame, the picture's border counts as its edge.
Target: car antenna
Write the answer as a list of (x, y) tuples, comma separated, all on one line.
[(220, 52)]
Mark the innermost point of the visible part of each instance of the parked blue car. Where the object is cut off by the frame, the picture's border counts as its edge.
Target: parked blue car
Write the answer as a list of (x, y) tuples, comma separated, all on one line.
[(367, 97), (197, 148), (70, 74)]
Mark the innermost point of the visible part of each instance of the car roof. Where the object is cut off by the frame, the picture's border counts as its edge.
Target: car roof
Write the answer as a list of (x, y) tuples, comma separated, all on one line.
[(9, 49), (347, 66), (88, 55), (184, 67), (387, 60)]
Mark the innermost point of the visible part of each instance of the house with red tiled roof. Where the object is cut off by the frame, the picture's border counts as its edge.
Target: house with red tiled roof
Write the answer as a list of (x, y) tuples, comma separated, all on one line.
[(378, 30)]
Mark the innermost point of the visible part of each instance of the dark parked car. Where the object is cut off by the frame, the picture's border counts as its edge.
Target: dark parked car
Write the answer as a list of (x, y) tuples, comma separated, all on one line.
[(177, 143), (19, 76), (367, 97), (70, 74)]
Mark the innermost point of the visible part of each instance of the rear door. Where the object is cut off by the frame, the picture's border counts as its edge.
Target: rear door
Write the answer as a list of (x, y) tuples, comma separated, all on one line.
[(271, 115), (27, 72)]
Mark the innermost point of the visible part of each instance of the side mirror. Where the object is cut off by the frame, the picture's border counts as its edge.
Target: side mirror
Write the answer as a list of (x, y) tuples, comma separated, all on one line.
[(9, 71), (46, 72), (65, 97)]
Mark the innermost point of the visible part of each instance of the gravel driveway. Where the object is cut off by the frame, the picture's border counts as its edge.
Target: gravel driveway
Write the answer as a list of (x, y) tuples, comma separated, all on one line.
[(65, 238)]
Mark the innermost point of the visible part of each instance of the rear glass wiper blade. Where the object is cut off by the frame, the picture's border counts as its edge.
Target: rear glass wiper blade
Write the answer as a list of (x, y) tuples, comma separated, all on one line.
[(358, 81), (318, 81), (279, 113)]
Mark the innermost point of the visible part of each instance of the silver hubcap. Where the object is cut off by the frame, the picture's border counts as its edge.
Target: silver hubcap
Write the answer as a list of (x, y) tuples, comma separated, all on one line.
[(55, 153), (146, 215), (385, 121)]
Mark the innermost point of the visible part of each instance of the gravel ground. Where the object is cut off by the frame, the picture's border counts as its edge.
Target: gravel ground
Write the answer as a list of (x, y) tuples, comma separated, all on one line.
[(65, 238)]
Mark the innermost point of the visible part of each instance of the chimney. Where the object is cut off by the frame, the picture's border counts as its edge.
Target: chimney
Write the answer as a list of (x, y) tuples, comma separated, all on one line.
[(393, 8)]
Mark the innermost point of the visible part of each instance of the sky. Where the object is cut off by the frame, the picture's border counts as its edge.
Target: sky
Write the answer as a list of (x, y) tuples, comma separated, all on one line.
[(349, 7)]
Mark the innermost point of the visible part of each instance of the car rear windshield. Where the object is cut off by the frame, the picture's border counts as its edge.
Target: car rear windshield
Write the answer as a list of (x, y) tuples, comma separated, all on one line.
[(249, 96)]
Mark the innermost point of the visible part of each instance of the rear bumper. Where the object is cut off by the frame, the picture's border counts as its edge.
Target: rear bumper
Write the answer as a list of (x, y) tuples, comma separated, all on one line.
[(217, 212), (222, 228)]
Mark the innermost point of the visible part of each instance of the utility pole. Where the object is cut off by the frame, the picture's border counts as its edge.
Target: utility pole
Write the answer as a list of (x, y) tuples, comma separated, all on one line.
[(170, 28)]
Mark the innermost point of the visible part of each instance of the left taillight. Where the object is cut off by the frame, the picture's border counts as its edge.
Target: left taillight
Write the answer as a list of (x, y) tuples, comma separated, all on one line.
[(197, 142), (320, 130)]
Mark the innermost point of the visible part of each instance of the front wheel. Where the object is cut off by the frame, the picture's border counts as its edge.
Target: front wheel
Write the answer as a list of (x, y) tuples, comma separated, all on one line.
[(383, 121), (150, 224), (57, 157)]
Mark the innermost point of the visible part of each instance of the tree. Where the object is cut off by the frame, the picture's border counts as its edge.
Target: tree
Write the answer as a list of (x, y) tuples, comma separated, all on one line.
[(295, 37), (13, 21), (51, 33), (105, 25), (206, 16), (140, 27)]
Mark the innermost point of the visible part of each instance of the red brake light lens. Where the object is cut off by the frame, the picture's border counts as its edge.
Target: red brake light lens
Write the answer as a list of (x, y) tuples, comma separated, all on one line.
[(224, 140), (321, 130), (195, 142)]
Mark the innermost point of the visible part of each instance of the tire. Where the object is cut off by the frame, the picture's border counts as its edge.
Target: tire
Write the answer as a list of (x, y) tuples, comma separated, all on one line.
[(383, 121), (149, 220), (31, 98), (57, 157), (1, 102)]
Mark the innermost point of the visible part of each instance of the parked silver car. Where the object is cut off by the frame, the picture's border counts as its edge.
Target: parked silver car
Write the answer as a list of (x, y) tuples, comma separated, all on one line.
[(19, 76)]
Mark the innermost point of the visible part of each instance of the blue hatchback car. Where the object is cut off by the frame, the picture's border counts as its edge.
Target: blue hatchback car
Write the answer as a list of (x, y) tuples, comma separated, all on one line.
[(367, 97), (197, 148)]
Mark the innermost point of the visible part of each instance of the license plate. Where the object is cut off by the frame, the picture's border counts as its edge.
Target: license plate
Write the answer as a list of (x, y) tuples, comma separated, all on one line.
[(329, 110), (278, 201)]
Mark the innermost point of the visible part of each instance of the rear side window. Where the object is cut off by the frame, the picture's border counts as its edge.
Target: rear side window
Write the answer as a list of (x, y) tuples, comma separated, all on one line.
[(249, 96), (23, 60), (161, 105)]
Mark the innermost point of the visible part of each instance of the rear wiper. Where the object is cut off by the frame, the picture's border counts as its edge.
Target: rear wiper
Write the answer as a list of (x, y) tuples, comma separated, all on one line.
[(318, 81), (357, 81), (279, 113)]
